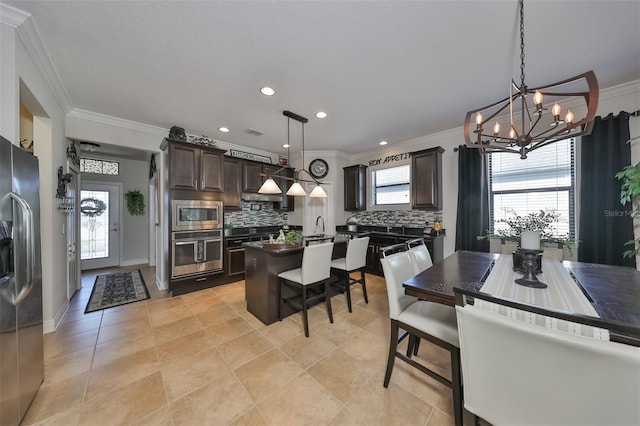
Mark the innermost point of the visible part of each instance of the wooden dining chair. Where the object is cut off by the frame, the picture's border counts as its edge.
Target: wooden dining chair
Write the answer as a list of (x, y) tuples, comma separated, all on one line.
[(518, 373), (310, 281), (355, 260), (425, 320)]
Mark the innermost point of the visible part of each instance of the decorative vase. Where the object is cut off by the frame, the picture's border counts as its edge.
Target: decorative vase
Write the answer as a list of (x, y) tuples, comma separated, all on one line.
[(517, 257)]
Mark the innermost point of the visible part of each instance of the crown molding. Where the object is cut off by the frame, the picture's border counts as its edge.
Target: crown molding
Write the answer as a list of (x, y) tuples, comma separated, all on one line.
[(11, 16), (117, 122), (620, 90), (30, 37)]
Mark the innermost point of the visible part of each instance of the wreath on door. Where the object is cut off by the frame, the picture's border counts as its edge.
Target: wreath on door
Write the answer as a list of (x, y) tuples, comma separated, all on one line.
[(92, 207)]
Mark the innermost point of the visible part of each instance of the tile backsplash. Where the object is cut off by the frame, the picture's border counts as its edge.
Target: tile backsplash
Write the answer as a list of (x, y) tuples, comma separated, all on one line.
[(412, 218), (255, 213)]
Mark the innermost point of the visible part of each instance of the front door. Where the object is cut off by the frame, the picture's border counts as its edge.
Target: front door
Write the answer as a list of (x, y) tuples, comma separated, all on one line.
[(99, 225)]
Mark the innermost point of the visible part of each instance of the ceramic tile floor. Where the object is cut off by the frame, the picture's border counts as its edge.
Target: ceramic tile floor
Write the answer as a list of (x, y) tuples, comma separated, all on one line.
[(202, 359)]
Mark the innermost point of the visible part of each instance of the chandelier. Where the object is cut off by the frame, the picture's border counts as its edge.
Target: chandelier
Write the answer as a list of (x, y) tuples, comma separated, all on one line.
[(271, 187), (530, 124)]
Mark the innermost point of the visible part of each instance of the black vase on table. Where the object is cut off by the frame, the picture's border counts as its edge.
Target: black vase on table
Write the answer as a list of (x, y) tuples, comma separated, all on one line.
[(530, 260)]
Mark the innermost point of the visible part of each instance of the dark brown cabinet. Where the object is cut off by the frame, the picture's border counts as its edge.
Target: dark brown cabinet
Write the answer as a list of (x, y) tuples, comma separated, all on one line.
[(426, 179), (355, 188), (232, 184), (194, 168), (252, 179), (288, 203), (251, 176)]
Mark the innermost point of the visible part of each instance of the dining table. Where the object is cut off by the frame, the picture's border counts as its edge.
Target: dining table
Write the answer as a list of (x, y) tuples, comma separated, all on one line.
[(612, 291)]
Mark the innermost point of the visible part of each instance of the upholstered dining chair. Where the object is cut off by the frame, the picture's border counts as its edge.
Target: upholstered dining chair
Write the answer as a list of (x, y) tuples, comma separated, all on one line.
[(310, 281), (420, 257), (355, 260), (425, 320), (518, 373)]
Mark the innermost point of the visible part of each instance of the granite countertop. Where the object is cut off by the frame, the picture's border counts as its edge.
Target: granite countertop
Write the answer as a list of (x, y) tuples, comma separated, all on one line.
[(280, 248), (395, 231), (259, 230)]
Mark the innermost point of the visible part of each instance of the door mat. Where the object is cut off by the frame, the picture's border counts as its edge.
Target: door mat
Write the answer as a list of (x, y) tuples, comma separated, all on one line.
[(117, 289)]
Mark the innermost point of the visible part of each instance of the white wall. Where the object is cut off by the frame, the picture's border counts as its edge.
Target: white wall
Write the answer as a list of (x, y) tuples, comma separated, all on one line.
[(20, 75)]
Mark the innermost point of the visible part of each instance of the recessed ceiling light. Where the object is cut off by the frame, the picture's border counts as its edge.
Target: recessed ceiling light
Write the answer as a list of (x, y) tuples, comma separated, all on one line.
[(321, 114), (383, 142), (267, 91), (286, 145), (224, 129)]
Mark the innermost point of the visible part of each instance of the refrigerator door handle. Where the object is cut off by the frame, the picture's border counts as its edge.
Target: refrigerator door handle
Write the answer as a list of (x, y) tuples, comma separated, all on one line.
[(27, 219)]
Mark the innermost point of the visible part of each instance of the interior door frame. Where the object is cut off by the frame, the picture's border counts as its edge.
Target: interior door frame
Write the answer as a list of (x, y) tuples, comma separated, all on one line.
[(120, 215), (75, 216)]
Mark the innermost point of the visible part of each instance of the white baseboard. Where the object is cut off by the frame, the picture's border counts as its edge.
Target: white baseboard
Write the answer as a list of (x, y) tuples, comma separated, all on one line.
[(133, 262), (49, 326), (160, 284)]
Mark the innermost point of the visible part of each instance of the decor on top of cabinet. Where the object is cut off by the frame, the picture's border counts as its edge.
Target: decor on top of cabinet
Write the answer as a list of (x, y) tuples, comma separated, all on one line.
[(135, 202), (177, 134), (202, 140)]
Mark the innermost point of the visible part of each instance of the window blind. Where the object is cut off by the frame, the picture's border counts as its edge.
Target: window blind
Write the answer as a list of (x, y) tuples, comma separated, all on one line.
[(391, 186), (544, 181)]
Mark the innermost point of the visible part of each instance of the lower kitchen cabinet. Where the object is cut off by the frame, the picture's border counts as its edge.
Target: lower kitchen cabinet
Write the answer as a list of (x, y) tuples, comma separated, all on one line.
[(234, 259), (435, 245)]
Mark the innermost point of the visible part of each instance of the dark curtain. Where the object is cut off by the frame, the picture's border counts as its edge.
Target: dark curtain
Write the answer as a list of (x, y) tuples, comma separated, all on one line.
[(605, 225), (473, 200)]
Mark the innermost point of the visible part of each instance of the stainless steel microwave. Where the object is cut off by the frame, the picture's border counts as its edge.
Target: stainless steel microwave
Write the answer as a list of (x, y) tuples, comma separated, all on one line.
[(196, 215)]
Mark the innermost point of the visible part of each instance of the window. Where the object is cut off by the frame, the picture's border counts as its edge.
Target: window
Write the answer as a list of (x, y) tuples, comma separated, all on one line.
[(544, 181), (391, 186), (101, 167)]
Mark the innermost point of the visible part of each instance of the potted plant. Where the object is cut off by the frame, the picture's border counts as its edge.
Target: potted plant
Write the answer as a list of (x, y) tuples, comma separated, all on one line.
[(630, 189), (541, 221), (293, 237), (135, 202)]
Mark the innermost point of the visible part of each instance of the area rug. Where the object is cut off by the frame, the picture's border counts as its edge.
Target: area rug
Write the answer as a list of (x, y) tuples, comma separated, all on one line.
[(117, 289)]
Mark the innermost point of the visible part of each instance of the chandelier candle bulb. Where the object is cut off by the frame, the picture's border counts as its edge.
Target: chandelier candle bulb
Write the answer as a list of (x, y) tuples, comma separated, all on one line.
[(555, 110), (530, 240), (479, 121), (569, 117), (496, 129), (537, 99)]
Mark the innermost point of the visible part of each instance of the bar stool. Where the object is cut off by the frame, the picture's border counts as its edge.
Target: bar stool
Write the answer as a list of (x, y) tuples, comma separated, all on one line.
[(355, 260), (311, 281), (420, 257), (424, 320)]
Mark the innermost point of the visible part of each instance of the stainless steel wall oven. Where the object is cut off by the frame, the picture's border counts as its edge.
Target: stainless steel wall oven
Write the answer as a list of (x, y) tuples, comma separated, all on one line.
[(196, 253)]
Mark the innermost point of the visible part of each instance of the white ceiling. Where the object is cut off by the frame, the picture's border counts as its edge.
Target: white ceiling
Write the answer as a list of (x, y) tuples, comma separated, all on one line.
[(392, 70)]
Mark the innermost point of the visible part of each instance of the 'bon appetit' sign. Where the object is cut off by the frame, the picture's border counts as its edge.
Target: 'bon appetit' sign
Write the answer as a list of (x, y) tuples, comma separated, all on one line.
[(390, 159)]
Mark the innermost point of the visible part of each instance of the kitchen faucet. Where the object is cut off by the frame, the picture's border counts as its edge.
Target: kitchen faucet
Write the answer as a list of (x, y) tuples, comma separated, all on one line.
[(318, 220)]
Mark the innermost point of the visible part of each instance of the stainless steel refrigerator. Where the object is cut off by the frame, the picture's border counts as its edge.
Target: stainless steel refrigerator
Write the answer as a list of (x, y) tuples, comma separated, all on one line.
[(21, 340)]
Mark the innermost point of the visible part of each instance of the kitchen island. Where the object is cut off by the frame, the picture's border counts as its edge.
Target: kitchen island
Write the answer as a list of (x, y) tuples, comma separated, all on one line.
[(263, 263)]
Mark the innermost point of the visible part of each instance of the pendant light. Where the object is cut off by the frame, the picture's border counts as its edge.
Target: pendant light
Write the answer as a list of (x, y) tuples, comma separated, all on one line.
[(271, 187)]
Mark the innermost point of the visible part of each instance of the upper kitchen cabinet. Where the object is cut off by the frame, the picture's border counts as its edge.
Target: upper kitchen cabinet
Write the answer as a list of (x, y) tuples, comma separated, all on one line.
[(426, 179), (196, 168), (287, 204), (251, 176), (232, 184), (355, 188)]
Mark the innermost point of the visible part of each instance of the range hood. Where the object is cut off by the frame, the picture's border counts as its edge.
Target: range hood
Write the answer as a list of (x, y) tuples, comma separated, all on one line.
[(254, 196)]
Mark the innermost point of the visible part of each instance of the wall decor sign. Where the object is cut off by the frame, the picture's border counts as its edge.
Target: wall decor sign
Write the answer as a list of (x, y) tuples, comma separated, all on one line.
[(390, 159), (250, 156)]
